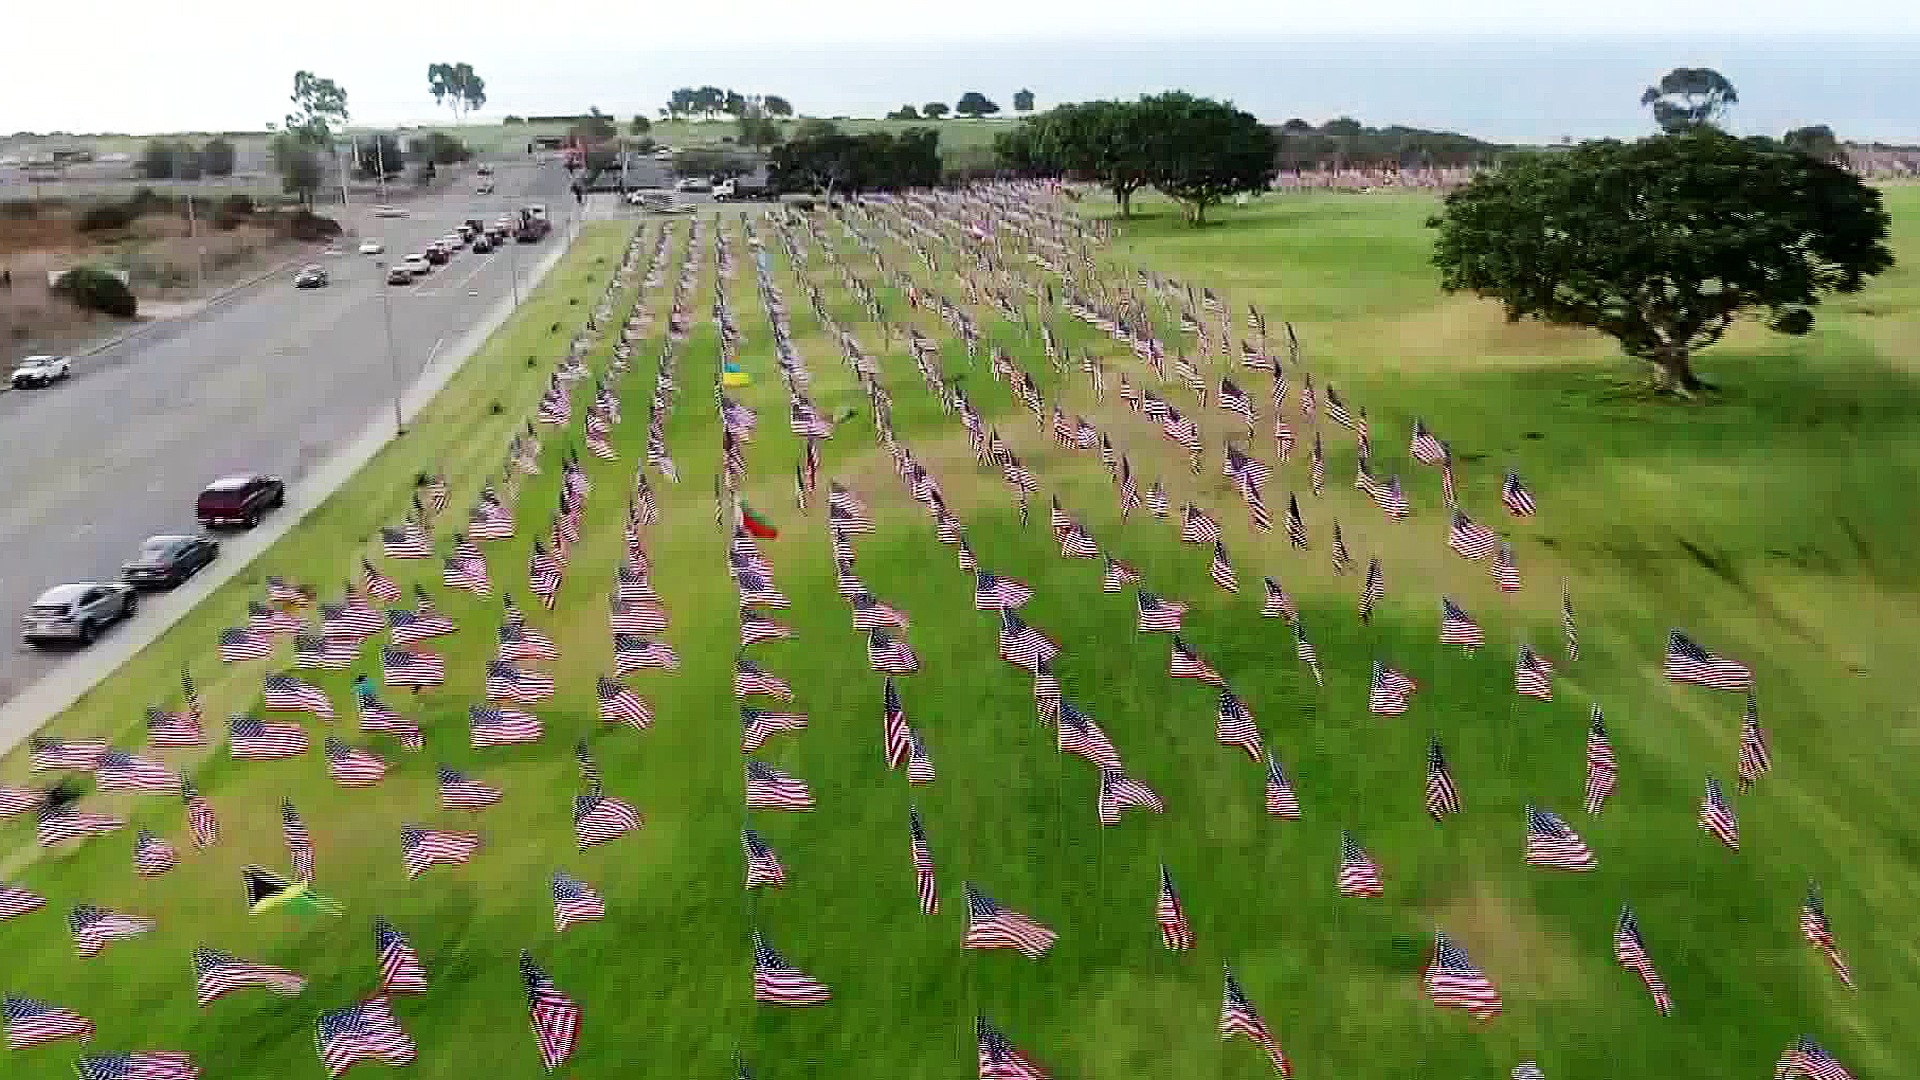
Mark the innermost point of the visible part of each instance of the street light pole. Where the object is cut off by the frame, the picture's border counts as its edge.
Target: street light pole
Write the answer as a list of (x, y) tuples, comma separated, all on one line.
[(393, 364), (513, 267)]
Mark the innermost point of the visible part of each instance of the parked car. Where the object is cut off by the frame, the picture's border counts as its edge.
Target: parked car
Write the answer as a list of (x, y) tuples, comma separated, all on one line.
[(77, 612), (694, 184), (41, 371), (482, 244), (166, 561), (418, 265), (384, 210), (239, 500), (437, 253), (485, 188), (399, 274), (485, 170), (313, 277), (372, 247)]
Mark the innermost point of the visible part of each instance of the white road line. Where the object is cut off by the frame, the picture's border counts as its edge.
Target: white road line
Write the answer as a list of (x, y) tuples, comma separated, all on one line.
[(431, 353)]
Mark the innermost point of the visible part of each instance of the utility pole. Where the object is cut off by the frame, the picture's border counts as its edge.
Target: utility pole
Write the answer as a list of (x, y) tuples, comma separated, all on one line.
[(343, 173), (380, 162), (193, 236), (513, 267), (393, 364)]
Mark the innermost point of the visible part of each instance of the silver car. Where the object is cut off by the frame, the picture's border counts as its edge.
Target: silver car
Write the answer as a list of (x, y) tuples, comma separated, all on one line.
[(77, 612)]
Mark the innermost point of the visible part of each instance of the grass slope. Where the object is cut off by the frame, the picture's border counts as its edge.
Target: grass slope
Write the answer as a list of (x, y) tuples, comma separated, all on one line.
[(1762, 525)]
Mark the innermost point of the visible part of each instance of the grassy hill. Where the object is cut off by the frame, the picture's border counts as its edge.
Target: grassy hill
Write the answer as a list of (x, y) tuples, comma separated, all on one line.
[(1771, 527)]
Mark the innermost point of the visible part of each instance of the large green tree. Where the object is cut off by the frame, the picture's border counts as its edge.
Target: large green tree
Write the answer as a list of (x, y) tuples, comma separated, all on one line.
[(1815, 139), (1688, 97), (1662, 243), (777, 106), (975, 104), (320, 108), (216, 157), (1023, 100), (1205, 151), (934, 110), (457, 87)]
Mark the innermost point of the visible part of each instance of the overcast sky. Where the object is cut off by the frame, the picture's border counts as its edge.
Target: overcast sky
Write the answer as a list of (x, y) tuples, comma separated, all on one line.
[(115, 65)]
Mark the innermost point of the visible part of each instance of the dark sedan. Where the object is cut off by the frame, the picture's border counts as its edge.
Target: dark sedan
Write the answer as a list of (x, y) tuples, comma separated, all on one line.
[(313, 277), (166, 561)]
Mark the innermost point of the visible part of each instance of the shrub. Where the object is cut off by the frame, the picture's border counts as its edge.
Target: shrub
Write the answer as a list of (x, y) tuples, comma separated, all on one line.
[(109, 217), (97, 290), (19, 209), (309, 226)]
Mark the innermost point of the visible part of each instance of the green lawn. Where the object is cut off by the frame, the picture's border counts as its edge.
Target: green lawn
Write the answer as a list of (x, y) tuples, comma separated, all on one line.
[(1770, 526)]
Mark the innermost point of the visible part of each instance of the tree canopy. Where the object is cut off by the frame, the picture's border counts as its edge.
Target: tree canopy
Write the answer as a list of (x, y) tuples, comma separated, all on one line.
[(1023, 100), (934, 110), (1815, 139), (904, 112), (824, 157), (457, 87), (1662, 243), (777, 106), (216, 157), (1688, 97), (975, 104), (320, 106)]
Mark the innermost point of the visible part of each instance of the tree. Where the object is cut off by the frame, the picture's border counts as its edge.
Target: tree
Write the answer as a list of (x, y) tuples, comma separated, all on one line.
[(1689, 97), (457, 87), (975, 104), (216, 157), (680, 103), (320, 106), (904, 112), (592, 130), (1662, 243), (380, 155), (815, 128), (1205, 151), (639, 125), (1023, 100), (301, 172), (777, 106), (160, 159), (1344, 126), (734, 104), (757, 131), (708, 101), (1817, 140), (934, 110)]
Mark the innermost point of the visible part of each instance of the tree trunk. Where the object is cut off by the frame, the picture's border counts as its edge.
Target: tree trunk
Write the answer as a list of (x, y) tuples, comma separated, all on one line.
[(1197, 214), (1125, 198), (1673, 374)]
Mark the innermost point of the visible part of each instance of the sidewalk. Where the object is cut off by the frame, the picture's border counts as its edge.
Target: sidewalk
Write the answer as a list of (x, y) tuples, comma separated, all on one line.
[(58, 690)]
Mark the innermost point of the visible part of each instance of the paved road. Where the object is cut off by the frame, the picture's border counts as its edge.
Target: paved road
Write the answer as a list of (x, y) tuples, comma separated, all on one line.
[(270, 378)]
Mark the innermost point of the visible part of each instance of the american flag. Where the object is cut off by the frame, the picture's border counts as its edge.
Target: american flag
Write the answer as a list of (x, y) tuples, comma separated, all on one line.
[(1531, 675), (1234, 725), (119, 771), (919, 765), (288, 694), (1469, 539), (400, 969), (200, 820), (1453, 982), (262, 619), (403, 667), (869, 613), (237, 646), (1075, 543), (1282, 431), (574, 901), (776, 982), (1303, 649), (411, 626), (400, 544), (489, 521), (216, 974), (1296, 526), (31, 1022), (890, 655), (749, 679), (1806, 1058), (599, 818), (1446, 480), (1552, 842), (1233, 399), (1255, 322), (376, 716), (770, 789), (1390, 692), (364, 1032), (1716, 816), (990, 926), (1281, 801), (152, 856), (754, 629), (1338, 551), (458, 791), (1046, 692), (141, 1066), (756, 589), (15, 800), (1119, 791), (1425, 448), (351, 766), (518, 642), (254, 739), (1197, 527), (631, 584), (1442, 797), (922, 864), (1158, 615), (491, 726), (1186, 664), (1157, 500), (93, 927), (1632, 954), (16, 902), (1813, 924), (1175, 933), (1118, 575), (631, 654), (1566, 624), (1601, 769), (894, 727), (509, 683), (1277, 605), (299, 844), (1687, 662), (325, 653), (283, 592), (543, 574), (425, 848), (1754, 759), (1222, 571), (1363, 479), (1458, 628), (1238, 1017), (1358, 874), (435, 488), (991, 591), (1374, 589), (1337, 409), (998, 1059), (1518, 500), (466, 570), (756, 725), (635, 618), (1506, 573)]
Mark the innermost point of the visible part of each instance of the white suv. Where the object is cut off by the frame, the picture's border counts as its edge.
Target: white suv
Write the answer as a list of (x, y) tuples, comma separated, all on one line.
[(418, 264), (40, 371)]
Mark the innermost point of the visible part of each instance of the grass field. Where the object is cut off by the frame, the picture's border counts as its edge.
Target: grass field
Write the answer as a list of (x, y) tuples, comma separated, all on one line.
[(1771, 526)]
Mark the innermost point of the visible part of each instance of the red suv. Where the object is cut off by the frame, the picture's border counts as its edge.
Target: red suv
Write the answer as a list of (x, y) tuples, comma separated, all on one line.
[(239, 500)]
